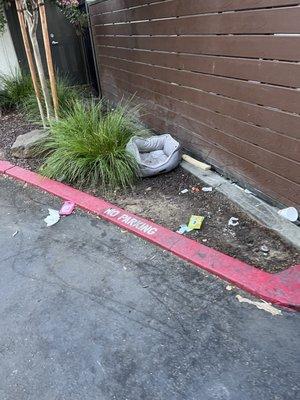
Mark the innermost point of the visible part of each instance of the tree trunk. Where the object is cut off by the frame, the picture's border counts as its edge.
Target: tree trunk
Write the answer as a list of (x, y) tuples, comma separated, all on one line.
[(41, 73), (32, 22), (30, 60)]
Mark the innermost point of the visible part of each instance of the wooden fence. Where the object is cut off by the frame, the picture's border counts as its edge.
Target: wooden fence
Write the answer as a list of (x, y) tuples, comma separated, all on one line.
[(221, 76)]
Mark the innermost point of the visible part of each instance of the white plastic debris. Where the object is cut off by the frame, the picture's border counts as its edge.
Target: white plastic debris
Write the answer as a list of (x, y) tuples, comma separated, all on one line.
[(262, 305), (289, 213), (183, 229), (52, 218), (15, 233), (248, 191), (228, 287), (233, 221), (207, 189), (264, 248), (184, 191)]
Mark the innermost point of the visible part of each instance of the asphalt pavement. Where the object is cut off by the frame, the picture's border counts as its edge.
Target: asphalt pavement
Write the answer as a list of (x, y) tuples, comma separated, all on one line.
[(88, 311)]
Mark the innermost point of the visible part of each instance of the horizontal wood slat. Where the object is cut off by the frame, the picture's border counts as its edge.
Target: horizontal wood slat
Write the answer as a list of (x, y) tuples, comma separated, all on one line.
[(222, 76), (268, 46), (165, 9), (280, 20), (273, 96), (257, 115), (285, 74)]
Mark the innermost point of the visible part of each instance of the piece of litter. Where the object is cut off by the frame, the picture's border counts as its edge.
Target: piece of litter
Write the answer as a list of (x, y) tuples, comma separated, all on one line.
[(228, 287), (67, 208), (248, 191), (148, 189), (195, 189), (184, 191), (264, 248), (52, 218), (207, 189), (204, 240), (233, 221), (183, 229), (195, 222), (289, 213), (15, 233), (262, 305)]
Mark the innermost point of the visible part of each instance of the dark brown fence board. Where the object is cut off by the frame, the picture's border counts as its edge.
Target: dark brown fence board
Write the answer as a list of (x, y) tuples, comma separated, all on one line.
[(222, 76), (266, 21), (257, 115), (166, 9), (273, 72), (273, 96), (260, 46)]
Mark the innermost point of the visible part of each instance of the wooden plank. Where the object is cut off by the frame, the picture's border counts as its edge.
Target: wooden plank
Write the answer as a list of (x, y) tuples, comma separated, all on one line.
[(270, 183), (262, 137), (273, 162), (274, 72), (196, 163), (250, 46), (174, 8), (282, 20), (114, 5), (282, 98), (285, 123)]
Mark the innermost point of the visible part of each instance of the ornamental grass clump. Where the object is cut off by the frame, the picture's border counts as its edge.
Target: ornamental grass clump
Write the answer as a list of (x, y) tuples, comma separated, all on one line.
[(15, 90), (88, 146)]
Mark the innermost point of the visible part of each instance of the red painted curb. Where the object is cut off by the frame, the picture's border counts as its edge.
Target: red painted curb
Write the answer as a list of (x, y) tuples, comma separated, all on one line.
[(282, 288), (4, 166)]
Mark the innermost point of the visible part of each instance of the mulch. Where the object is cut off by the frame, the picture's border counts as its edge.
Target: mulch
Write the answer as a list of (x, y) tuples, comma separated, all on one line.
[(160, 200)]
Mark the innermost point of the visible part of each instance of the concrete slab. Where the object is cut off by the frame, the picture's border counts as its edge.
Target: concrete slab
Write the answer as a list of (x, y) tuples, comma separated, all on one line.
[(90, 312)]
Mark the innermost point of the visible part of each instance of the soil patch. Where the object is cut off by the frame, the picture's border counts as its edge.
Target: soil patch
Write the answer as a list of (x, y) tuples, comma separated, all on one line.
[(160, 200)]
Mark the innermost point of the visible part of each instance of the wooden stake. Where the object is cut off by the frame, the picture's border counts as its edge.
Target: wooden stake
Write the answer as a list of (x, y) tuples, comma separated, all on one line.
[(48, 56), (30, 60), (197, 163)]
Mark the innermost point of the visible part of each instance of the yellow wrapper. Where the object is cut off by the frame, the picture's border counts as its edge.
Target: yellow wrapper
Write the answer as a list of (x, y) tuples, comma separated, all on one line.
[(196, 222)]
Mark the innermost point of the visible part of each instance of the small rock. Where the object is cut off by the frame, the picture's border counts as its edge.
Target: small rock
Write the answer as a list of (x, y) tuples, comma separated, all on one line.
[(25, 145), (264, 248)]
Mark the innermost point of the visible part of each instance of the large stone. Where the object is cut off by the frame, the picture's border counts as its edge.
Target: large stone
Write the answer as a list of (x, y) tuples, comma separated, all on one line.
[(25, 145)]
